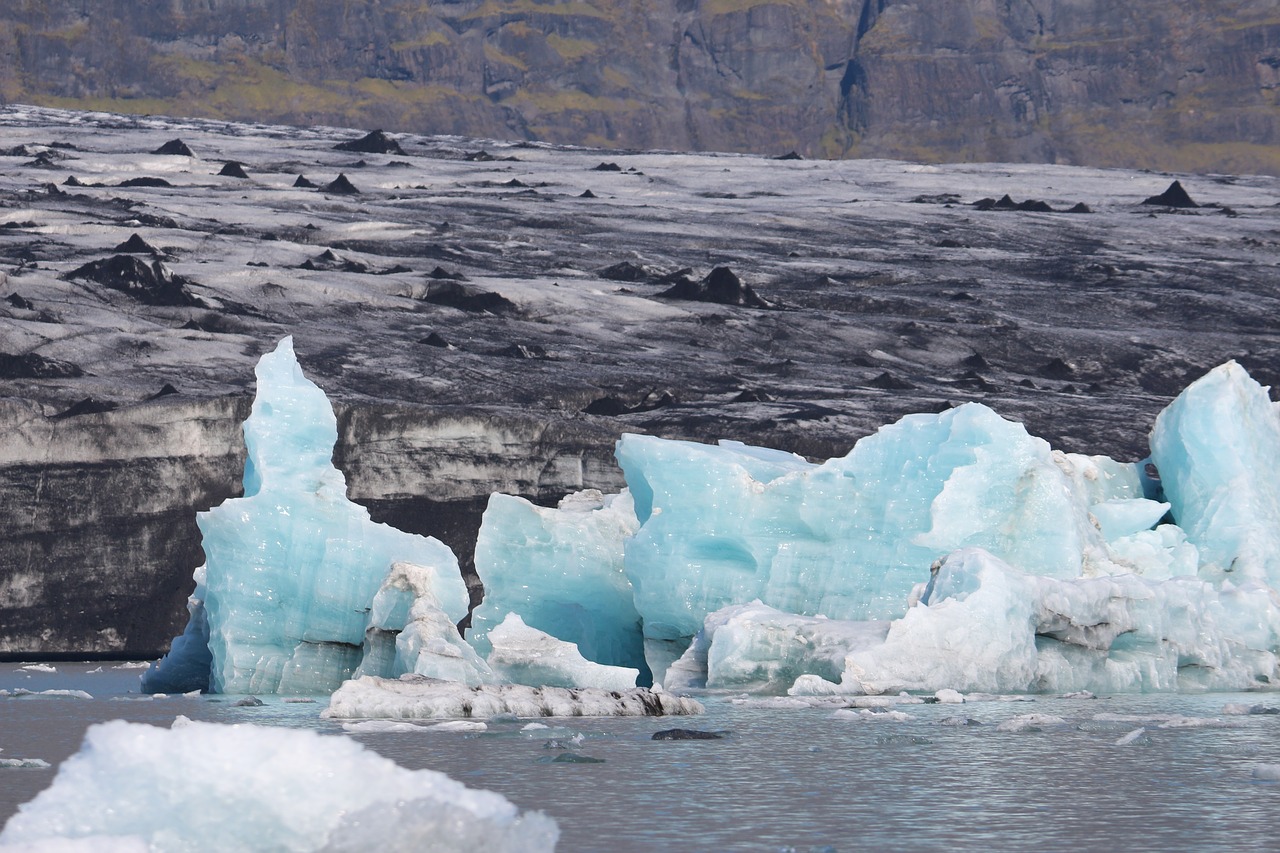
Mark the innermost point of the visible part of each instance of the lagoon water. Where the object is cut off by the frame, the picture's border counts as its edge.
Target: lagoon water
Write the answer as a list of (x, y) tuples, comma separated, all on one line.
[(787, 779)]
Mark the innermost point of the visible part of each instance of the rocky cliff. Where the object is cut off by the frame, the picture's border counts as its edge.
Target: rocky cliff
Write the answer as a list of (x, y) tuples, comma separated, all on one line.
[(1189, 86)]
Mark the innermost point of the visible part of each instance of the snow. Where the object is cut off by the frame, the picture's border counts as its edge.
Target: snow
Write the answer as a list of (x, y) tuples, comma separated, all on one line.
[(416, 697), (204, 786)]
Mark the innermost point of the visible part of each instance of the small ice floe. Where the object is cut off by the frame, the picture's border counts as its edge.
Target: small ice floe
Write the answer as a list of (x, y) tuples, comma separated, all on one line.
[(23, 764), (459, 726), (1032, 723), (299, 700), (94, 671), (779, 703), (19, 692), (247, 702), (132, 664), (193, 694), (382, 727), (1079, 694), (38, 667), (869, 715), (1266, 772), (1240, 709), (180, 721), (1131, 737), (947, 696), (529, 727), (959, 720), (1200, 723)]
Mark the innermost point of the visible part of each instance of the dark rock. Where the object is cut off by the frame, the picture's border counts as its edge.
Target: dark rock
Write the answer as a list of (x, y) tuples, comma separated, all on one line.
[(31, 365), (1056, 368), (948, 243), (1174, 196), (166, 391), (1032, 205), (790, 155), (455, 295), (73, 181), (233, 169), (587, 194), (612, 406), (374, 142), (442, 274), (624, 271), (607, 167), (1080, 207), (87, 406), (176, 148), (976, 362), (1005, 203), (514, 182), (721, 286), (939, 198), (151, 284), (435, 340), (303, 183), (888, 382), (45, 160), (340, 185), (479, 157), (688, 734), (751, 396), (248, 702), (393, 270), (144, 182), (18, 301), (331, 261), (136, 245)]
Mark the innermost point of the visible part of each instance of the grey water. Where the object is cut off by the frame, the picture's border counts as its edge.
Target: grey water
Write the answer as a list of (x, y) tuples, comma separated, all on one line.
[(784, 779)]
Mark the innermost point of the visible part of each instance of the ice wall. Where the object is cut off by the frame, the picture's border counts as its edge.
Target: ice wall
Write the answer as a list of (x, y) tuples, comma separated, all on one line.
[(293, 566), (209, 787)]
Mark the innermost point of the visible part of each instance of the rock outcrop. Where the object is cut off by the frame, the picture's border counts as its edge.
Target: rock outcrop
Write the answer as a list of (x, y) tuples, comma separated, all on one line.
[(1190, 86)]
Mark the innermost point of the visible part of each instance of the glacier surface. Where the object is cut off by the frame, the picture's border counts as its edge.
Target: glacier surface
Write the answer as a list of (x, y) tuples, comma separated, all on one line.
[(212, 787)]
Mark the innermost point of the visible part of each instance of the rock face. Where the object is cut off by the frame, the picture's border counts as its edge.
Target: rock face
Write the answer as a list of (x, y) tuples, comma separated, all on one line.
[(1190, 86)]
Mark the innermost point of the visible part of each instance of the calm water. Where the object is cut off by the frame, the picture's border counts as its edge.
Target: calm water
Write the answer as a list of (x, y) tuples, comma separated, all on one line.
[(789, 779)]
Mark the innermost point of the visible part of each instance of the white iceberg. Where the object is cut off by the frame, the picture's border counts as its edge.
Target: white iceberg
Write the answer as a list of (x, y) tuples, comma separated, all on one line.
[(209, 787), (416, 697)]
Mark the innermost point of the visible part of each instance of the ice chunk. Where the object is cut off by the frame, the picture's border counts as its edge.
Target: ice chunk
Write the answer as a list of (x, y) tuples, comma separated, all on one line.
[(1120, 518), (561, 571), (525, 655), (293, 566), (415, 697), (409, 633), (1131, 737), (1032, 723), (203, 786), (1217, 448), (1266, 772), (848, 538), (985, 626), (23, 763), (759, 648)]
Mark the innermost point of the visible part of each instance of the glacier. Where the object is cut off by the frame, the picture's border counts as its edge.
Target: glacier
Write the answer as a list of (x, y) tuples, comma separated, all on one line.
[(284, 601), (950, 551), (212, 787)]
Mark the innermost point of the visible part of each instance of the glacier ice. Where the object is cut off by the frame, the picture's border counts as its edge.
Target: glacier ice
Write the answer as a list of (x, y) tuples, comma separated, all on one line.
[(524, 655), (205, 786), (292, 568), (561, 571)]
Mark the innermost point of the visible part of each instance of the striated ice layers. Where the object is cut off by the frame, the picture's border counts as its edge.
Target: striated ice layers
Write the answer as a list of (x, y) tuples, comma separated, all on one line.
[(293, 568), (755, 569), (209, 787)]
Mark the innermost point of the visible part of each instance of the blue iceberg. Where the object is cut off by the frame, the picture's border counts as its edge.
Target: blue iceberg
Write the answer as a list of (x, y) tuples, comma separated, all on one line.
[(293, 567)]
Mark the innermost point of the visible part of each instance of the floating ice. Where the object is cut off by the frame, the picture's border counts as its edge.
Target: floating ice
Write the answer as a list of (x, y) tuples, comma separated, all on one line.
[(1032, 723), (203, 786), (850, 538), (1266, 772), (23, 763), (293, 566), (524, 655), (39, 667), (415, 697), (561, 571), (1131, 737)]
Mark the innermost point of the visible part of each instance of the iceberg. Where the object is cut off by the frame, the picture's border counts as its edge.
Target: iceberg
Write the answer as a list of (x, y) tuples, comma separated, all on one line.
[(561, 570), (524, 655), (412, 697), (283, 602), (850, 538), (210, 787)]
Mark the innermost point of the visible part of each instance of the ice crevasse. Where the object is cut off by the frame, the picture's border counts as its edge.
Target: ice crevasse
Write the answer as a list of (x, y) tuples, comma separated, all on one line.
[(949, 550)]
